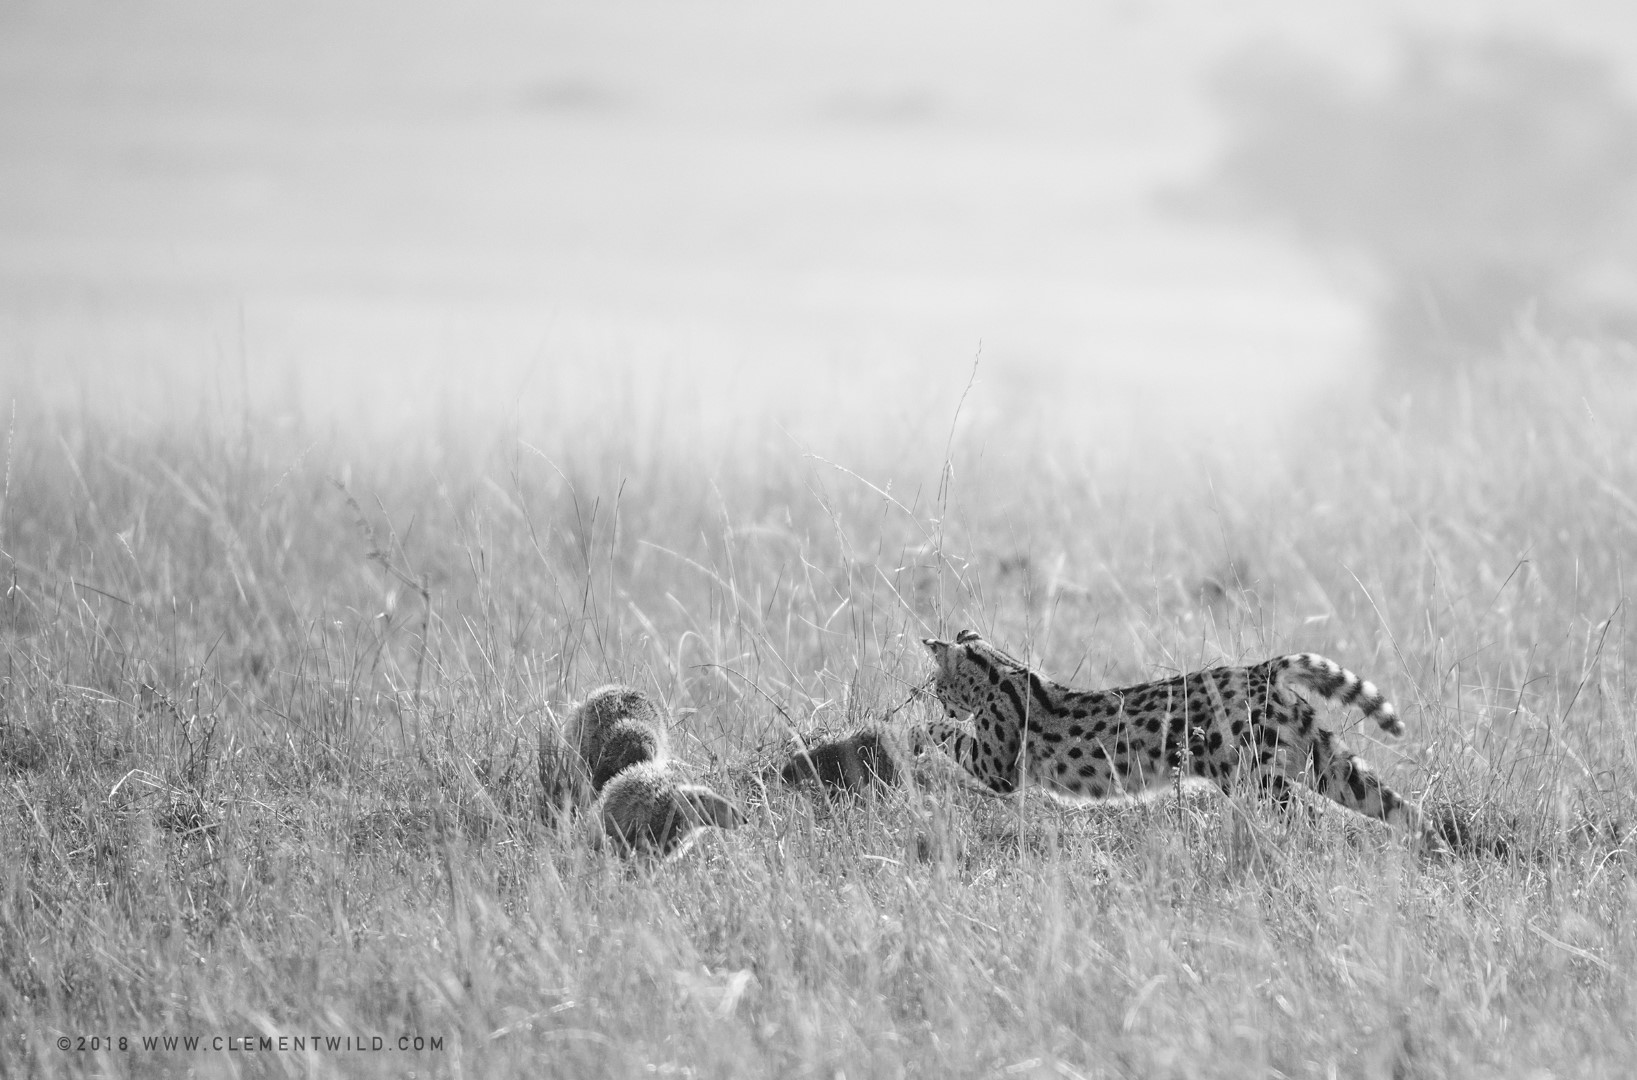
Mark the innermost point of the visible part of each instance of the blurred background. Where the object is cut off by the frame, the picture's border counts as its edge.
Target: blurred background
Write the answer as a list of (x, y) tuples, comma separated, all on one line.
[(385, 216)]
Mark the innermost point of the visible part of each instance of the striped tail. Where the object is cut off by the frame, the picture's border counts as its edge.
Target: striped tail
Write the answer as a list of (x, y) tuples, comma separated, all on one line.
[(1335, 683)]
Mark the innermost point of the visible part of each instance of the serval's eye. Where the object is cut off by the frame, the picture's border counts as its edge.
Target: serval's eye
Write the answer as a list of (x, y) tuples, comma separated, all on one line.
[(952, 714)]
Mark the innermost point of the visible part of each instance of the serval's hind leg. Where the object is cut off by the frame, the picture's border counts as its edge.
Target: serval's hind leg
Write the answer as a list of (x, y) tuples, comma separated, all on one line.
[(1343, 776)]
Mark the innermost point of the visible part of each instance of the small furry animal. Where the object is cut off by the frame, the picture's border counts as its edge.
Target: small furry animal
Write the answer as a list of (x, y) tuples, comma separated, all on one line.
[(644, 811), (846, 765), (614, 728), (1221, 724)]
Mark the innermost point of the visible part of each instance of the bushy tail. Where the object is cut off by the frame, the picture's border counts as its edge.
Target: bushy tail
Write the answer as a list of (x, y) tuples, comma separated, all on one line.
[(1335, 683)]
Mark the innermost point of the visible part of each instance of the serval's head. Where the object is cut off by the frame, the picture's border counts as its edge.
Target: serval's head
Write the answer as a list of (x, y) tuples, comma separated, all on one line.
[(968, 670)]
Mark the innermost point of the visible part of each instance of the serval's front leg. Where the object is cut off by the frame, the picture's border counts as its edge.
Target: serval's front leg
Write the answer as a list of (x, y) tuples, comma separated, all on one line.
[(982, 757)]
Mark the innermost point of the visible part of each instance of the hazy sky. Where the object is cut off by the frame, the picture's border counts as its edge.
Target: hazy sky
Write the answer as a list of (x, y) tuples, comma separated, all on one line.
[(377, 209)]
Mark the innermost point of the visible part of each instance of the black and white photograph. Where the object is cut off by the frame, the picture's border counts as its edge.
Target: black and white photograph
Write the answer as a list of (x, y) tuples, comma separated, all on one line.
[(714, 539)]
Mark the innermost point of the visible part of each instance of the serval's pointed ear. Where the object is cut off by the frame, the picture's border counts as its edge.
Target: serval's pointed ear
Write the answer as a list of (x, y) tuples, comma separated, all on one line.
[(934, 646)]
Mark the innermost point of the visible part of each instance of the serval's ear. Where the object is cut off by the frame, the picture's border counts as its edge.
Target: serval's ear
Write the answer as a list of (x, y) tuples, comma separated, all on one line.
[(934, 646), (966, 636)]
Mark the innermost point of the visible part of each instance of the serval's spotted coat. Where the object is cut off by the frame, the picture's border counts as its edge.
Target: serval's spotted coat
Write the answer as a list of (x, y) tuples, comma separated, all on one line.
[(1225, 725)]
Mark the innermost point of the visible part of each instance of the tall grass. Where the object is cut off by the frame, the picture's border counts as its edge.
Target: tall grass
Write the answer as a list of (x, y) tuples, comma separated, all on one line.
[(271, 697)]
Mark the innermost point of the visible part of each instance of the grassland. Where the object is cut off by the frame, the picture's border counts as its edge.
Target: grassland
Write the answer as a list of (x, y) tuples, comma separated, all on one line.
[(318, 819)]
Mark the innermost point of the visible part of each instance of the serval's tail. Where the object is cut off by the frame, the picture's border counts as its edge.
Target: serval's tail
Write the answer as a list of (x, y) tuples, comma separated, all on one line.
[(1335, 683)]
